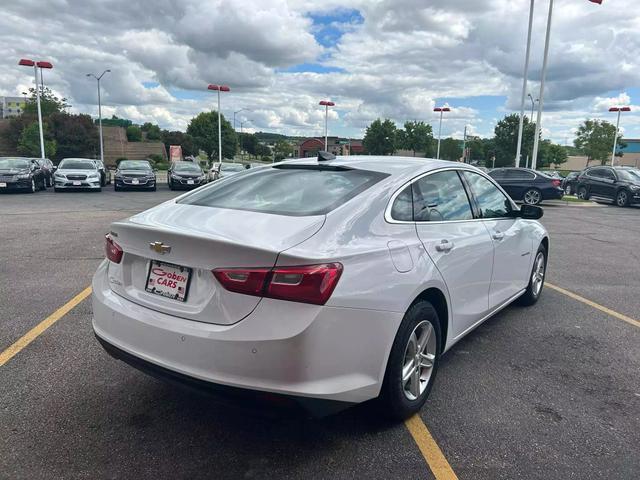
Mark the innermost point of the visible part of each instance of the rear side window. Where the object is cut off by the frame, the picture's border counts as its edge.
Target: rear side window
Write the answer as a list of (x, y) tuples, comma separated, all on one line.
[(290, 190), (519, 175)]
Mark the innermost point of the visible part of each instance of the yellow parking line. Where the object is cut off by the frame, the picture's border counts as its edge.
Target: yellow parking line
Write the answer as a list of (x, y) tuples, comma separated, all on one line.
[(430, 450), (32, 334), (595, 305)]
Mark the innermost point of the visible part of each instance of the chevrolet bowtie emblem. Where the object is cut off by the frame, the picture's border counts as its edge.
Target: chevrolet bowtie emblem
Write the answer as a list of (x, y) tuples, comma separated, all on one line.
[(159, 247)]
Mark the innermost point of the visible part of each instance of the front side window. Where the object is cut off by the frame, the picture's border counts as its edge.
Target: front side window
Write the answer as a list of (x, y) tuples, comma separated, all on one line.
[(491, 201), (440, 197)]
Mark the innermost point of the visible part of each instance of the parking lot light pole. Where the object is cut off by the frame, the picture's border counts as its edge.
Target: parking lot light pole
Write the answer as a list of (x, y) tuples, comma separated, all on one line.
[(619, 110), (234, 116), (100, 111), (326, 105), (536, 140), (219, 88), (25, 62), (441, 110), (524, 86)]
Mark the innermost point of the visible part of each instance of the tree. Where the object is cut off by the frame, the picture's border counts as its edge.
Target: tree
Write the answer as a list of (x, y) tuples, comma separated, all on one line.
[(134, 133), (506, 140), (248, 143), (262, 150), (177, 137), (49, 103), (29, 143), (75, 135), (203, 128), (595, 139), (282, 150), (153, 131), (417, 137), (115, 122), (380, 137), (451, 149), (552, 154)]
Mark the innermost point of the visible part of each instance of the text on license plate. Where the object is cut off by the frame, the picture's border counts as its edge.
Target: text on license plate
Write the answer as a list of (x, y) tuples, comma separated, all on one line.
[(77, 182), (168, 280), (3, 184)]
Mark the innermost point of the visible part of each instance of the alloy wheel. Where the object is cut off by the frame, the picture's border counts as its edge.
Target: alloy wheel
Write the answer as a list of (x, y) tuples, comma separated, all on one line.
[(567, 190), (621, 198), (537, 277), (33, 185), (582, 193), (532, 197), (419, 359)]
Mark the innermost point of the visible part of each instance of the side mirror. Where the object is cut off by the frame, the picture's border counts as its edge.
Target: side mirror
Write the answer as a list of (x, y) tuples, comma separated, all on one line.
[(54, 168), (531, 212), (215, 167)]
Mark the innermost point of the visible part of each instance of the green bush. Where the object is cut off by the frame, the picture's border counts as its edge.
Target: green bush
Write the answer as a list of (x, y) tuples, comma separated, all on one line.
[(155, 158), (161, 165), (266, 159), (134, 133)]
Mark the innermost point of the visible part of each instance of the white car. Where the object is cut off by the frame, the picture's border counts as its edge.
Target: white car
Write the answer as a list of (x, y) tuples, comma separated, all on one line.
[(322, 279)]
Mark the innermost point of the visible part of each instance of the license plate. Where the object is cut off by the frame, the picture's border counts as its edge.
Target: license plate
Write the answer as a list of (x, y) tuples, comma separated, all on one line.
[(3, 185), (135, 182), (168, 280), (76, 182), (189, 182)]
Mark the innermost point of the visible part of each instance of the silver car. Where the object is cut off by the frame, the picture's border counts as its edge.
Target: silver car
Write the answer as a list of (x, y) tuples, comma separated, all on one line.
[(225, 169), (77, 173)]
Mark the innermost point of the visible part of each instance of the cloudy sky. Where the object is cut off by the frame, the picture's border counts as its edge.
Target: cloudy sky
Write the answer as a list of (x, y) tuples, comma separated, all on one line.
[(374, 58)]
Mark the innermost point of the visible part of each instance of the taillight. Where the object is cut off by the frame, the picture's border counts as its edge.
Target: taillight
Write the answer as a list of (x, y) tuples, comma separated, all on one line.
[(241, 280), (306, 284), (114, 252), (556, 182)]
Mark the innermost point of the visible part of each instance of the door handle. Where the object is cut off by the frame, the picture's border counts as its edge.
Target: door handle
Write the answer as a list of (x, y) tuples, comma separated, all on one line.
[(497, 235), (444, 246)]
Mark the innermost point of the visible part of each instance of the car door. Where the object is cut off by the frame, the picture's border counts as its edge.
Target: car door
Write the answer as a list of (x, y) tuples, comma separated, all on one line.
[(596, 181), (608, 183), (458, 244), (512, 247), (518, 182)]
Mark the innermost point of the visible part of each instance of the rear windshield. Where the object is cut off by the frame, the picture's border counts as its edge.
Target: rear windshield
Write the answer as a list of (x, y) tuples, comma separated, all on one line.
[(70, 164), (286, 191)]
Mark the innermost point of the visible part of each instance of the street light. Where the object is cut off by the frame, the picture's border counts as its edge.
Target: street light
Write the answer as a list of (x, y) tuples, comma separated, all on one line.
[(25, 62), (536, 139), (241, 133), (100, 111), (619, 110), (219, 88), (533, 103), (326, 105), (234, 116), (441, 110), (524, 86)]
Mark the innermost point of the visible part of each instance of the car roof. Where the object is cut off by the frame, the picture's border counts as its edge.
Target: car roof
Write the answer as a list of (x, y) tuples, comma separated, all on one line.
[(397, 166)]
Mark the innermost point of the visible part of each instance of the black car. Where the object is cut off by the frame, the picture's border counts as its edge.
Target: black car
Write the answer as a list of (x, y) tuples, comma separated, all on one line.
[(620, 185), (134, 174), (19, 173), (186, 175), (528, 186), (47, 169), (570, 183)]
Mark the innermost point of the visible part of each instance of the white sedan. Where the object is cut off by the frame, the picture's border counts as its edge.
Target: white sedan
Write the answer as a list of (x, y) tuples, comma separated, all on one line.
[(334, 279)]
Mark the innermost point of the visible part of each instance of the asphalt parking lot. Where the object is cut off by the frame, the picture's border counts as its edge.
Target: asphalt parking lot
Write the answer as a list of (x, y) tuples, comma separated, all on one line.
[(549, 392)]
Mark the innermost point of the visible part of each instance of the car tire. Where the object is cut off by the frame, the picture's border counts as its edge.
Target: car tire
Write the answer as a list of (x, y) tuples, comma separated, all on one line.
[(532, 196), (536, 279), (55, 190), (154, 189), (99, 190), (401, 398), (583, 193), (622, 198), (116, 188), (567, 190), (33, 187)]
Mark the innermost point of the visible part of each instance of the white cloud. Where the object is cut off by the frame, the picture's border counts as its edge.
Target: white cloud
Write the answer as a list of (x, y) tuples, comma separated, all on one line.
[(404, 58)]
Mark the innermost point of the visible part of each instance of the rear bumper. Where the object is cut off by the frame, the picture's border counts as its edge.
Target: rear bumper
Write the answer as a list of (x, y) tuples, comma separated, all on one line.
[(320, 352), (553, 194)]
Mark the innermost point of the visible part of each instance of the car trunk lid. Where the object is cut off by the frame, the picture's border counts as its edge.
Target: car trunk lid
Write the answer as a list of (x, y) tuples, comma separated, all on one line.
[(201, 239)]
